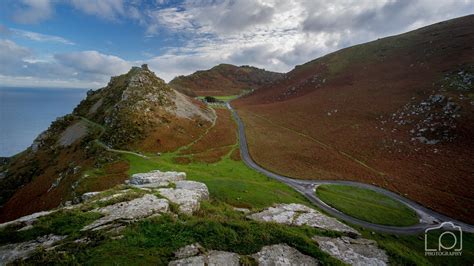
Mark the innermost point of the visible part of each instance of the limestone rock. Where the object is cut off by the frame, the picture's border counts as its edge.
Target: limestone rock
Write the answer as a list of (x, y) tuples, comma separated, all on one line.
[(88, 195), (156, 178), (282, 254), (131, 210), (27, 220), (11, 252), (197, 187), (195, 254), (353, 251), (188, 251), (194, 261), (298, 214), (188, 200), (217, 258)]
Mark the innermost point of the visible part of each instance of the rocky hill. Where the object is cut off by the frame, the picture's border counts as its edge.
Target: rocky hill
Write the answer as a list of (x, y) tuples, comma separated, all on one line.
[(223, 80), (136, 111), (397, 112)]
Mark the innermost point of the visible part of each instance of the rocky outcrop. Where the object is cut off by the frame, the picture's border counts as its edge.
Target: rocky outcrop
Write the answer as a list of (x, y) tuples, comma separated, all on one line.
[(174, 187), (10, 253), (156, 179), (131, 210), (282, 254), (195, 254), (353, 251), (298, 214)]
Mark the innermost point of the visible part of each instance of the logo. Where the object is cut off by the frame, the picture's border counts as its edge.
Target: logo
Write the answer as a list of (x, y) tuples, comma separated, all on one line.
[(446, 243)]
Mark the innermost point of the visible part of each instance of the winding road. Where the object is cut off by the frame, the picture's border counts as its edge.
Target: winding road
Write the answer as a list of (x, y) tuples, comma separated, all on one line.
[(428, 218)]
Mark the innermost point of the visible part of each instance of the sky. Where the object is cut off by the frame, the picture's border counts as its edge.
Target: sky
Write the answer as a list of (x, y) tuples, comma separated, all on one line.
[(81, 43)]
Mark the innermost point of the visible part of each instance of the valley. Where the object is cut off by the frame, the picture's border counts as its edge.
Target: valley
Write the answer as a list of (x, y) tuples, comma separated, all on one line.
[(352, 158)]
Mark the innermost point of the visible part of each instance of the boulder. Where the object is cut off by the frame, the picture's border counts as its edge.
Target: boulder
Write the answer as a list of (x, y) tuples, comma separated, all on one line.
[(130, 210), (353, 251), (156, 179), (11, 252), (282, 254), (188, 200), (298, 214), (197, 187), (195, 254), (188, 251)]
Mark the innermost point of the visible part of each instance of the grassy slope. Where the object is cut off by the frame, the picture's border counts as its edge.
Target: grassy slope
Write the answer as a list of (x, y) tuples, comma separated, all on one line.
[(367, 205)]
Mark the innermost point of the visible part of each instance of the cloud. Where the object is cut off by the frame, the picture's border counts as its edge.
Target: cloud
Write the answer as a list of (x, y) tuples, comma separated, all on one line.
[(93, 62), (108, 9), (33, 11), (75, 69), (271, 34), (12, 57), (39, 37)]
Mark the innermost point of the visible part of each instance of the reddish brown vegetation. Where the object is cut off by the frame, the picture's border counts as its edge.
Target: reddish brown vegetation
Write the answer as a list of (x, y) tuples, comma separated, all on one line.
[(216, 143), (331, 125), (235, 155), (223, 80)]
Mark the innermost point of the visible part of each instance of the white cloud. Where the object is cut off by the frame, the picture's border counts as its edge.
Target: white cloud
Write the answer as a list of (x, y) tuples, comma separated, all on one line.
[(76, 69), (33, 11), (272, 34), (39, 37), (93, 62), (108, 9)]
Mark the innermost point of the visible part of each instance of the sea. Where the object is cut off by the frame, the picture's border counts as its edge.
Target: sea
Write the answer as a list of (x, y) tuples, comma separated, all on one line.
[(26, 112)]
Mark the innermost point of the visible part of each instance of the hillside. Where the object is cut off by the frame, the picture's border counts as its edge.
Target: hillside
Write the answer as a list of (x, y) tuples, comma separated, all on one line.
[(82, 151), (397, 112), (223, 80)]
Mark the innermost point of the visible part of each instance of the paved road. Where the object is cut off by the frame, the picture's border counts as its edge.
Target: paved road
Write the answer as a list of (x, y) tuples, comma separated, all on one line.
[(428, 218)]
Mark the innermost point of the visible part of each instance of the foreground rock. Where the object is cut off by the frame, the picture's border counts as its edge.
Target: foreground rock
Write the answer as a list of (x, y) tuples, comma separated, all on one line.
[(131, 210), (187, 194), (353, 251), (282, 254), (195, 254), (298, 214), (10, 253)]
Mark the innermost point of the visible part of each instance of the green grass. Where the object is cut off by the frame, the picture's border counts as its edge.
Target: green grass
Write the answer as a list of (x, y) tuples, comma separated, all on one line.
[(228, 180), (367, 205), (226, 98), (67, 222), (216, 226), (410, 249)]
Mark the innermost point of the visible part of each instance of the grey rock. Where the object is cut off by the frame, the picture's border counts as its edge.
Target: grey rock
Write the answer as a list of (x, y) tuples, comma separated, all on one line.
[(130, 210), (188, 251), (353, 251), (88, 195), (156, 178), (195, 254), (282, 254), (28, 219), (298, 214), (11, 252), (188, 200), (194, 261)]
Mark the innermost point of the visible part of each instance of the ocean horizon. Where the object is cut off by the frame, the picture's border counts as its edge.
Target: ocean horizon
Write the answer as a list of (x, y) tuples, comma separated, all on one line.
[(26, 112)]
